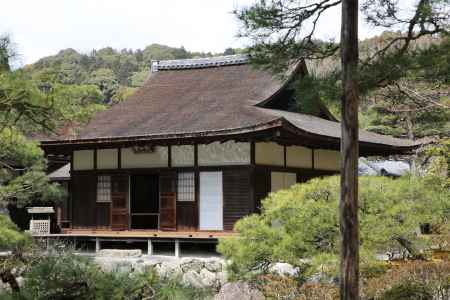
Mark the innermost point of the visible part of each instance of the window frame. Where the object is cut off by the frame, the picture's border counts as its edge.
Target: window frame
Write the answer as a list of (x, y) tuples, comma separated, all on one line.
[(104, 189), (189, 192)]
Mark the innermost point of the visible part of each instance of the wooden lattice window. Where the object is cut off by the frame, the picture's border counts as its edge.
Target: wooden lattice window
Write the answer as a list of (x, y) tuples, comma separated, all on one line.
[(104, 188), (186, 187)]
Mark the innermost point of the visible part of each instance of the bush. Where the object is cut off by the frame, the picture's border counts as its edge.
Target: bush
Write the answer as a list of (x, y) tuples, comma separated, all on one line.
[(172, 289), (11, 237), (302, 222), (278, 287), (407, 278), (57, 277), (63, 275), (321, 291), (408, 291)]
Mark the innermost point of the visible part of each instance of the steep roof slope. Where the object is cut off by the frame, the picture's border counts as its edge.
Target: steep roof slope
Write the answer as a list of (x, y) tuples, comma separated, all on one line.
[(206, 97), (187, 101)]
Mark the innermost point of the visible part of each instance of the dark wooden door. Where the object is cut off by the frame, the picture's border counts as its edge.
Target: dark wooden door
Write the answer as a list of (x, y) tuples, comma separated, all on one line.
[(261, 186), (168, 198), (144, 202), (119, 202), (83, 200)]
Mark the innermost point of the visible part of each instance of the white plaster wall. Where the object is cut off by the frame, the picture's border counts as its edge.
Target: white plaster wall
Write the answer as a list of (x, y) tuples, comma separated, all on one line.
[(156, 159), (229, 153), (327, 160), (182, 156), (282, 180), (276, 181), (269, 154), (289, 179), (298, 157), (107, 158), (83, 159)]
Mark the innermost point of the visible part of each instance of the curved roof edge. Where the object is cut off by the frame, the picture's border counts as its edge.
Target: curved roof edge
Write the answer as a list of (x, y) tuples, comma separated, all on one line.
[(276, 122), (370, 143)]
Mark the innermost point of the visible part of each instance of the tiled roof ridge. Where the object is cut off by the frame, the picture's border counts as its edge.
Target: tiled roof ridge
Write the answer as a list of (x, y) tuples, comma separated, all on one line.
[(198, 63)]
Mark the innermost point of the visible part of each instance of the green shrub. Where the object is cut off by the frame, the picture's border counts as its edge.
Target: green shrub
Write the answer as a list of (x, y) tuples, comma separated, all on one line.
[(408, 291), (11, 237), (63, 275), (402, 278), (172, 289), (302, 222), (67, 276)]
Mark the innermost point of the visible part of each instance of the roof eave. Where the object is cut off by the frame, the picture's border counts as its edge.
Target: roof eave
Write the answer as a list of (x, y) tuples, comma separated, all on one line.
[(170, 137), (366, 148)]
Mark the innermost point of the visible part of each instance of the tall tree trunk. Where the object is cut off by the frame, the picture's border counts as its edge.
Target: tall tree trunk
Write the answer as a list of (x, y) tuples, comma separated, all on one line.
[(349, 281)]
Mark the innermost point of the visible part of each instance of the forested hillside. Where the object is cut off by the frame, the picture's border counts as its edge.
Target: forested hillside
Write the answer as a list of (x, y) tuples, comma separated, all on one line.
[(115, 73), (416, 105), (410, 100)]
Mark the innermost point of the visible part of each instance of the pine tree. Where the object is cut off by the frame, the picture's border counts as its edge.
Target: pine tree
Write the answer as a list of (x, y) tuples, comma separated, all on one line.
[(284, 34)]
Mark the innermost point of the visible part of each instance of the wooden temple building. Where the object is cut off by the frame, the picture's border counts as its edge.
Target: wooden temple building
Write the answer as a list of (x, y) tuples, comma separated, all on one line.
[(195, 149)]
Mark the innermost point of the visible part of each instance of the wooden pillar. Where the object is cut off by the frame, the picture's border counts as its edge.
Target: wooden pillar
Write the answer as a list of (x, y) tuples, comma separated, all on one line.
[(70, 188), (197, 188), (177, 248), (169, 156), (95, 159), (97, 245), (349, 281), (149, 247), (119, 158)]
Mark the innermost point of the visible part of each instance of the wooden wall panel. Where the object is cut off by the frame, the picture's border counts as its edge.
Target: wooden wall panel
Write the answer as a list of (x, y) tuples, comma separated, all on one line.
[(103, 215), (119, 202), (237, 196), (187, 216), (84, 196)]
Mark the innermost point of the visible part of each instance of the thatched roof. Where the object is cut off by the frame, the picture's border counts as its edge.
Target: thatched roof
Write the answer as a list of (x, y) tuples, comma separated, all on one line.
[(214, 97)]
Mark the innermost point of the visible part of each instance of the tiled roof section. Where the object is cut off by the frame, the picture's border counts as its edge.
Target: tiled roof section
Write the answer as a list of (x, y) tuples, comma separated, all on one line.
[(188, 101), (198, 63), (201, 98), (321, 127)]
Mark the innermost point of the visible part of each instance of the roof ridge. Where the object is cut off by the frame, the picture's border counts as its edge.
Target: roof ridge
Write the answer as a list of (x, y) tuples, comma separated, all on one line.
[(198, 63)]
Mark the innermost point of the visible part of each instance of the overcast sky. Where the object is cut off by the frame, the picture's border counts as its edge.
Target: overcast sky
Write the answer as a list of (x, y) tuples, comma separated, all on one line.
[(42, 28)]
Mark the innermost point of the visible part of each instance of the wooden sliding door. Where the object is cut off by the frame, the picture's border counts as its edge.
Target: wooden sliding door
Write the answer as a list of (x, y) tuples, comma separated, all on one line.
[(168, 198), (119, 202)]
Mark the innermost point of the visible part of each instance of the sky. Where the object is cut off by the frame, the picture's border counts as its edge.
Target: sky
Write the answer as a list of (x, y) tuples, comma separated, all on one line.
[(42, 28)]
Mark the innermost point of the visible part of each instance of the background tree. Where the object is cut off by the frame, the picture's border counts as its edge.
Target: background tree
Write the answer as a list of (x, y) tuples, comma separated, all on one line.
[(115, 72), (418, 103), (29, 108)]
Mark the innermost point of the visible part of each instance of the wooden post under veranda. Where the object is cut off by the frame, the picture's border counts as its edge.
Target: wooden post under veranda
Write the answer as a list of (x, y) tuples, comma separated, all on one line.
[(349, 279)]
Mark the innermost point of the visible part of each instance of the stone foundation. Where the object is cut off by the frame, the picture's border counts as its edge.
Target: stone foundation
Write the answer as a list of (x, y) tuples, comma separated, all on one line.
[(192, 271)]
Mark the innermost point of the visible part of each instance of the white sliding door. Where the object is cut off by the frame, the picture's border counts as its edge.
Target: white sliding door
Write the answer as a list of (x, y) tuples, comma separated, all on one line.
[(211, 201)]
